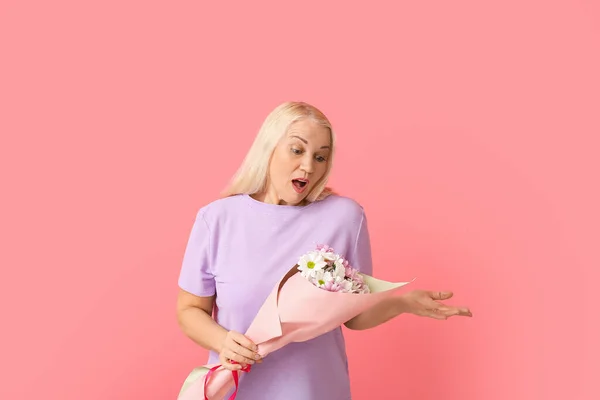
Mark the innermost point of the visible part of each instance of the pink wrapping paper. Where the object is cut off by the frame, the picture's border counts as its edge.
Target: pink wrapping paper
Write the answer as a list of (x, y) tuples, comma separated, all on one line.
[(284, 318)]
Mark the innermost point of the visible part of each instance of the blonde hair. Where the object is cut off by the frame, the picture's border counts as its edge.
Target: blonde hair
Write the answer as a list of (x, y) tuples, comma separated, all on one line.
[(251, 177)]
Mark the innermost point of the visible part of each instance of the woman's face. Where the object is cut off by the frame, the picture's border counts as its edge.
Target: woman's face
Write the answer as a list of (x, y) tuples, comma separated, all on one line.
[(298, 163)]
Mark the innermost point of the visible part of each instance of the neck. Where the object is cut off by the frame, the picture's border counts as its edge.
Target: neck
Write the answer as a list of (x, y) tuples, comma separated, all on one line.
[(272, 198)]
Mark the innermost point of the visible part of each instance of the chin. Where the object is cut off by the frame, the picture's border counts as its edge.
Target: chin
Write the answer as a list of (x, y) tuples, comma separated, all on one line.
[(292, 197)]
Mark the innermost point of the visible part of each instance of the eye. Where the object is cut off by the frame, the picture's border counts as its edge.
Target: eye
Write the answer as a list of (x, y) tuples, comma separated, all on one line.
[(296, 151), (321, 159)]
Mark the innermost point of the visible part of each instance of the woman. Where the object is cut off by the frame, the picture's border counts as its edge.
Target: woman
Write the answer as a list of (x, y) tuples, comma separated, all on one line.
[(276, 208)]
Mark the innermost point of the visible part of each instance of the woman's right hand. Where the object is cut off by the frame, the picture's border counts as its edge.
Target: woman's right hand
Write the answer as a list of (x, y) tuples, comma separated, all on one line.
[(239, 348)]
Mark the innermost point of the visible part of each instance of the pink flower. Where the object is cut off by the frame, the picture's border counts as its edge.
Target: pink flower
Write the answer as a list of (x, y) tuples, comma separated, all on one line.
[(325, 248), (351, 272), (358, 278), (332, 286)]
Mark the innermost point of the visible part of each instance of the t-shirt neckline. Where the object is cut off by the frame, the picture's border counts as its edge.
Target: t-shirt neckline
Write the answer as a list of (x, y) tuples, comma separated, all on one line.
[(285, 208)]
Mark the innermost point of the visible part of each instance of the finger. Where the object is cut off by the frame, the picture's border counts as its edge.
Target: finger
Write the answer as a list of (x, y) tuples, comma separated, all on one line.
[(244, 341), (450, 311), (447, 311), (248, 355), (233, 356), (247, 347), (432, 312), (465, 312), (232, 367), (242, 358), (436, 314), (229, 359), (439, 295), (226, 363)]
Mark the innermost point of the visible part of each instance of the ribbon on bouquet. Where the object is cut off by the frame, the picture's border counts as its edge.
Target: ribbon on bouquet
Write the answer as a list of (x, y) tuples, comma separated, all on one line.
[(236, 379)]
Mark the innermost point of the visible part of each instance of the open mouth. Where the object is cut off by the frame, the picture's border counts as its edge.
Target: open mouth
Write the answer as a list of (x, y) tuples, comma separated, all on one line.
[(299, 184)]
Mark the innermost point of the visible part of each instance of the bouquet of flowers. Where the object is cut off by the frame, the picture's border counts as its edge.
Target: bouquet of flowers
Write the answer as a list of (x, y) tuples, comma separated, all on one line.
[(330, 271), (319, 277)]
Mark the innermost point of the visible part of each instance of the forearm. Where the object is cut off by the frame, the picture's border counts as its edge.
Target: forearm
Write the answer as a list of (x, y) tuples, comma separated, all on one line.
[(202, 329), (377, 315)]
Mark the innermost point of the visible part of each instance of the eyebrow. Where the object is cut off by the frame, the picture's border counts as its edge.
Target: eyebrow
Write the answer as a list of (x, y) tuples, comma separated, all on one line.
[(305, 142)]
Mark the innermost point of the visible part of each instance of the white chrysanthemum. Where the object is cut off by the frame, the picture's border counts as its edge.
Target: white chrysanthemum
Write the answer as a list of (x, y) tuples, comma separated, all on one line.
[(322, 277), (317, 279), (339, 262), (339, 272), (311, 263), (329, 255), (346, 285)]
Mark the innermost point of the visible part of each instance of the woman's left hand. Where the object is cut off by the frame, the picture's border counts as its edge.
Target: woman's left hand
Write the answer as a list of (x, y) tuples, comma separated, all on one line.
[(427, 303)]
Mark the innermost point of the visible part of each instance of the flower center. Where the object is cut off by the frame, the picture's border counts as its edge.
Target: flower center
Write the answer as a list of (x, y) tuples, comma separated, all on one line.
[(310, 265)]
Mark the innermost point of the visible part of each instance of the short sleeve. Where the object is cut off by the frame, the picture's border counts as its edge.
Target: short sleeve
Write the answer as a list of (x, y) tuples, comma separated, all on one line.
[(362, 258), (196, 276)]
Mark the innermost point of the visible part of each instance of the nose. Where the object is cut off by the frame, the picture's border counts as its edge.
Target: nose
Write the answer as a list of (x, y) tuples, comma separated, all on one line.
[(307, 165)]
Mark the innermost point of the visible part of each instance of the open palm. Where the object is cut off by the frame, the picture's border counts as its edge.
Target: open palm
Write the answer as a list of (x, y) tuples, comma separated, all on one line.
[(427, 303)]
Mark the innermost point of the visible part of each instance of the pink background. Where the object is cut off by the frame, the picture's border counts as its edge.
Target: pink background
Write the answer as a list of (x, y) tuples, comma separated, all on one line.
[(467, 129)]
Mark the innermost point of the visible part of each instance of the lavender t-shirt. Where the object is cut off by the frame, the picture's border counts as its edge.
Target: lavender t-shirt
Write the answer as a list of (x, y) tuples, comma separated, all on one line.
[(239, 248)]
